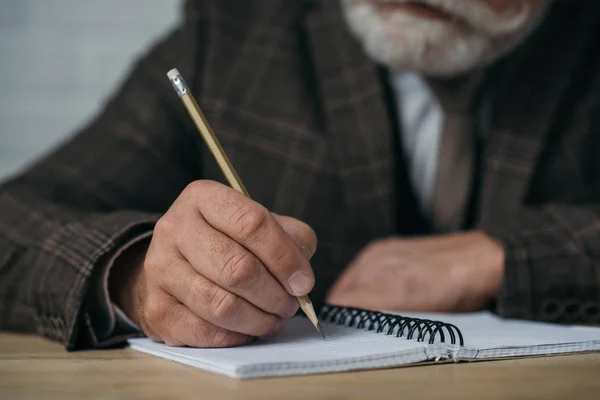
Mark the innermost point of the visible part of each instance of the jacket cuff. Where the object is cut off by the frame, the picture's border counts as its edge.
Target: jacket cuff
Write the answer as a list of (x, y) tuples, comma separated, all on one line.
[(106, 319), (538, 250), (79, 249)]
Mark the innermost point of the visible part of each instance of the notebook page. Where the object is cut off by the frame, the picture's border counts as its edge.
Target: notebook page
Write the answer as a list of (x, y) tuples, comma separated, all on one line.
[(487, 335), (300, 349)]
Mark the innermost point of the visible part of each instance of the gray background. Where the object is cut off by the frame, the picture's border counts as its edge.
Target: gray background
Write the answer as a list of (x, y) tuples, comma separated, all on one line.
[(59, 59)]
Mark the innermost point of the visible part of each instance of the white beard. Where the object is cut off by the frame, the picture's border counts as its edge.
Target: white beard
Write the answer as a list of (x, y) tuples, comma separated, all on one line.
[(400, 39)]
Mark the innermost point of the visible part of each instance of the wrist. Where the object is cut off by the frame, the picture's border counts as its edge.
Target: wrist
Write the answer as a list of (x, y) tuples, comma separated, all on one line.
[(492, 259), (126, 278)]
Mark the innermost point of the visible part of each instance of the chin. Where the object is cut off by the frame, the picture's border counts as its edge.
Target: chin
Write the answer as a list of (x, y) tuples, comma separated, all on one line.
[(443, 48)]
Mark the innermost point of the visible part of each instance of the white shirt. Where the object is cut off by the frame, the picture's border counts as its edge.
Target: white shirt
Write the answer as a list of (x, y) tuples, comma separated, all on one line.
[(421, 118)]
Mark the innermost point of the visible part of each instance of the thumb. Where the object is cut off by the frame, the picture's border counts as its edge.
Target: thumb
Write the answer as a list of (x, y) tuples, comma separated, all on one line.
[(300, 232)]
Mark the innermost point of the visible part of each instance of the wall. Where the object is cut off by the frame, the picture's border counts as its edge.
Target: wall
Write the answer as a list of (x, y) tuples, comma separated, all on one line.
[(59, 59)]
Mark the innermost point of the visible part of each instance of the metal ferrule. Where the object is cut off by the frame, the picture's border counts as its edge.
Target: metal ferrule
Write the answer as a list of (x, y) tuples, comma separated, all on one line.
[(179, 85)]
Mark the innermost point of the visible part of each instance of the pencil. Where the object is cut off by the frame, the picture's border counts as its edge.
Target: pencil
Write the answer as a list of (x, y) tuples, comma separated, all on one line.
[(224, 163)]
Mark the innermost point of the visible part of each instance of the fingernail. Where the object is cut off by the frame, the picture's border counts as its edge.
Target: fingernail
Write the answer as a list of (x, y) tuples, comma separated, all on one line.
[(279, 327), (299, 283), (305, 252)]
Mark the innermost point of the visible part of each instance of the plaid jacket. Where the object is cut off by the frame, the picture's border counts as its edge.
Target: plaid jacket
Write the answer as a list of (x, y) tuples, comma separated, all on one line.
[(306, 120)]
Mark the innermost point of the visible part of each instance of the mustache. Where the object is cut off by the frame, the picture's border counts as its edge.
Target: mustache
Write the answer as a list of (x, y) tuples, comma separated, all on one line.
[(474, 13)]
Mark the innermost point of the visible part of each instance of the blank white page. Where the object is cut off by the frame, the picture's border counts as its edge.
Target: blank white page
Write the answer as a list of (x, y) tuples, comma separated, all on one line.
[(486, 335), (300, 349)]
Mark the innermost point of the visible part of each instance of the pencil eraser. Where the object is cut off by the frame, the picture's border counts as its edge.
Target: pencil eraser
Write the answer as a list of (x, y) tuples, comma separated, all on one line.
[(172, 74)]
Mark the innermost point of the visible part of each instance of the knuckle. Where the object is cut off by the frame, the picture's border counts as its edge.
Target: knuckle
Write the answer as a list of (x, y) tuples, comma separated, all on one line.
[(232, 198), (312, 238), (165, 226), (375, 246), (308, 231), (223, 338), (240, 270), (180, 237), (151, 263), (201, 333), (226, 305), (199, 192), (311, 232), (400, 262), (267, 326), (388, 241), (284, 260), (155, 313), (151, 335), (194, 188), (281, 305), (249, 222), (199, 296), (163, 273), (172, 342)]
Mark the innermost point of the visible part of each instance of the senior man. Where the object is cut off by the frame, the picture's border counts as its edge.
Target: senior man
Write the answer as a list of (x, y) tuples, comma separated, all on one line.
[(443, 152)]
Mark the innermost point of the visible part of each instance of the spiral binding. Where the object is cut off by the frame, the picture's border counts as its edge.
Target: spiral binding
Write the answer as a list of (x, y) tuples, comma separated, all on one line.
[(391, 324)]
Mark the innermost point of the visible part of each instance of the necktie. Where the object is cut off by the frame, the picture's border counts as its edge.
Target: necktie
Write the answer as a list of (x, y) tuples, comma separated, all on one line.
[(456, 153), (454, 174)]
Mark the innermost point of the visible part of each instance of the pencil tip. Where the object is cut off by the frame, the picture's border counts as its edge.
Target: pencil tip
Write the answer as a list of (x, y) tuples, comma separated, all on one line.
[(321, 330)]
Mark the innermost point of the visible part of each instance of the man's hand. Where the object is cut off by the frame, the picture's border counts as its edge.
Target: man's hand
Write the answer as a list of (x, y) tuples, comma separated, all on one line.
[(219, 271), (451, 273)]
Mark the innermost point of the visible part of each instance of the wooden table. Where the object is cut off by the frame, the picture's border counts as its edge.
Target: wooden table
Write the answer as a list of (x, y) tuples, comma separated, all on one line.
[(33, 368)]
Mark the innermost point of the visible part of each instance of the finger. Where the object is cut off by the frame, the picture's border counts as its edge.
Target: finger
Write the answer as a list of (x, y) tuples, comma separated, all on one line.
[(251, 225), (343, 289), (216, 304), (229, 265), (344, 297), (188, 329), (154, 308), (300, 232)]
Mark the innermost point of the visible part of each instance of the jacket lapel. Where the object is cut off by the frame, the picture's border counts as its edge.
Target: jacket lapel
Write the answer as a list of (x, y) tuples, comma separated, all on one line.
[(356, 120), (526, 91), (527, 94)]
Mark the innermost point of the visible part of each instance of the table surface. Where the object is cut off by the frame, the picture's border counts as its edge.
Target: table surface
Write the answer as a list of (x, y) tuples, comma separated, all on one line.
[(32, 368)]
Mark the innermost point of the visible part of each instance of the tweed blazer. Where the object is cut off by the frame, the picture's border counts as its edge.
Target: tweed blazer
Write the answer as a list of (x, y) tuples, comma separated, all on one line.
[(305, 117)]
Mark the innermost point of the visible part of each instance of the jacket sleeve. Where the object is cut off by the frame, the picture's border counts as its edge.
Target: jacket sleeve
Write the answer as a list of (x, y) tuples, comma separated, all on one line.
[(552, 268), (67, 215)]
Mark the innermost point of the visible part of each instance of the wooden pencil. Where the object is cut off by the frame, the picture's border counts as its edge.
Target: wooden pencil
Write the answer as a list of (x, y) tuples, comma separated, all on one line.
[(224, 163)]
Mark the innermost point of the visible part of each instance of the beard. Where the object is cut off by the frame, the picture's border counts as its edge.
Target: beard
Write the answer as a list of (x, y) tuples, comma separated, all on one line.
[(467, 36)]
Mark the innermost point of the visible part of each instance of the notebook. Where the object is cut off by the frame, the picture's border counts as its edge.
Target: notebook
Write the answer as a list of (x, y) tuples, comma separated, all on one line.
[(360, 339)]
